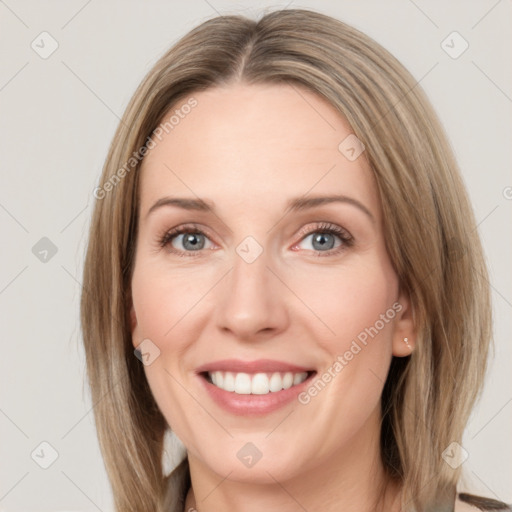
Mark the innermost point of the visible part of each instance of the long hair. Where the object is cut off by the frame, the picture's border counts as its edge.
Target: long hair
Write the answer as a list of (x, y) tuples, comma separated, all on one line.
[(429, 229)]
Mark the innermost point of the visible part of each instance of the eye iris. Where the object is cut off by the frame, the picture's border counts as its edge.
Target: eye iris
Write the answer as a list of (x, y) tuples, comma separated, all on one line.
[(192, 238), (320, 238)]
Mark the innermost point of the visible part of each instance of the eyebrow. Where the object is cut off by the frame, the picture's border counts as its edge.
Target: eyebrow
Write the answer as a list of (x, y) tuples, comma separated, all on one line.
[(295, 204)]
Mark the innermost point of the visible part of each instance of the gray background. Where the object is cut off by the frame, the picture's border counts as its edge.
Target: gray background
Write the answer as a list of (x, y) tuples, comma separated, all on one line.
[(58, 116)]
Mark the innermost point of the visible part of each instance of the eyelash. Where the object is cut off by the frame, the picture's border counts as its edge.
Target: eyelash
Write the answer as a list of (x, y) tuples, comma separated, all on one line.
[(323, 228)]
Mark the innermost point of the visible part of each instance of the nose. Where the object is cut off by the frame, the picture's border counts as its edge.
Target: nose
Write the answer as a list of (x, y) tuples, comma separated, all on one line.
[(251, 303)]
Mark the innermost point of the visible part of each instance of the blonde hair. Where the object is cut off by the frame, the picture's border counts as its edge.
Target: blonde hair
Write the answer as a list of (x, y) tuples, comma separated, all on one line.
[(429, 227)]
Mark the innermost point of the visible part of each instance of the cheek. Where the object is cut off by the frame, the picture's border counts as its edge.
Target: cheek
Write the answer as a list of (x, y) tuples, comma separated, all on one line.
[(349, 303), (358, 306), (356, 310), (165, 306), (163, 300)]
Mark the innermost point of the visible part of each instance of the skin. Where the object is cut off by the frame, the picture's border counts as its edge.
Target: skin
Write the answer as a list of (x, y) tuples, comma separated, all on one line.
[(249, 149)]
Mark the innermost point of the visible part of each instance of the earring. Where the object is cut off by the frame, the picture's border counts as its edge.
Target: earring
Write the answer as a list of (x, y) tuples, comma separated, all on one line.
[(406, 341)]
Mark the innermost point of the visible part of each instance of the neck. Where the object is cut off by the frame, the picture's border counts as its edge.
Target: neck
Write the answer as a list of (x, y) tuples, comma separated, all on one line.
[(353, 477)]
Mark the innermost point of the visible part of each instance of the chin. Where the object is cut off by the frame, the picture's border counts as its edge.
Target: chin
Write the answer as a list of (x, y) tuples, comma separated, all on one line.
[(244, 462)]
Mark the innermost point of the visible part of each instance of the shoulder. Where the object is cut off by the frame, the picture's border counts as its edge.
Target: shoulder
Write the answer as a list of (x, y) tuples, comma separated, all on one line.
[(471, 503)]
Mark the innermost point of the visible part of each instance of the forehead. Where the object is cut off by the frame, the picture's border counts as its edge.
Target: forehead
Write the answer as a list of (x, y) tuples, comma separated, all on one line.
[(253, 143)]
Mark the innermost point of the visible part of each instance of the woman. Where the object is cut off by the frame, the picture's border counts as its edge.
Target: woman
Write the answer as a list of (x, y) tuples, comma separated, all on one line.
[(282, 236)]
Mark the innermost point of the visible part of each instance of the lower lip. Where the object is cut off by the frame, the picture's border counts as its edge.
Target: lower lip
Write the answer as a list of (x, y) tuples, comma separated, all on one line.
[(244, 405)]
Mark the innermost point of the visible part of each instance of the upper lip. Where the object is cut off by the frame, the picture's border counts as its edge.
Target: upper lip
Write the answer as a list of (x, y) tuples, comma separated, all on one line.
[(258, 366)]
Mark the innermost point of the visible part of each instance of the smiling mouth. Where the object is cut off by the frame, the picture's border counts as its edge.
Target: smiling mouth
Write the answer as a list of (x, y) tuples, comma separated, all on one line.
[(255, 383)]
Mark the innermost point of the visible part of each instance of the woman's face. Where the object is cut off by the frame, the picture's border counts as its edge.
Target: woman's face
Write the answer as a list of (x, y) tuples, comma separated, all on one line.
[(268, 286)]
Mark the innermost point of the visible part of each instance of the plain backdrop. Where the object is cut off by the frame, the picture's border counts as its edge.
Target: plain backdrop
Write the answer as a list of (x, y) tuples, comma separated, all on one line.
[(57, 118)]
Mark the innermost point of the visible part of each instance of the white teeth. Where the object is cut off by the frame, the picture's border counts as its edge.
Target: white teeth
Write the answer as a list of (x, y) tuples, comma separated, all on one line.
[(256, 384), (259, 384), (242, 384), (229, 382), (219, 378), (276, 383), (288, 380), (297, 379)]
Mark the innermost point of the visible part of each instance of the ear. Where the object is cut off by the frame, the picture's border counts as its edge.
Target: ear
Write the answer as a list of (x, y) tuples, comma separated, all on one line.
[(404, 335)]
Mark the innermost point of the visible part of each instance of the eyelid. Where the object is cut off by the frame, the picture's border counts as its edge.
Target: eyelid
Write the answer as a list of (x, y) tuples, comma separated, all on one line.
[(325, 226)]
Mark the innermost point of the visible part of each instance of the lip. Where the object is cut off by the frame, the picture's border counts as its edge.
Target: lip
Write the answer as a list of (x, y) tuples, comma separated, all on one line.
[(258, 366), (252, 405)]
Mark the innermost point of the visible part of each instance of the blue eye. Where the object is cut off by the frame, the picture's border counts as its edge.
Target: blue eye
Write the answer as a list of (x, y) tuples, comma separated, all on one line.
[(324, 239), (193, 240)]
